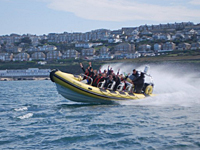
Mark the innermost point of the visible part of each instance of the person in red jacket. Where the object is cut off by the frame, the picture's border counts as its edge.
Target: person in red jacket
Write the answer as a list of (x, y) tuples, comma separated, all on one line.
[(87, 73)]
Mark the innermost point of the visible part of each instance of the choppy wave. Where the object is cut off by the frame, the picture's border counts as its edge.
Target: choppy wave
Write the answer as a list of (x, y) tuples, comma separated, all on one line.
[(21, 109), (26, 116), (42, 119)]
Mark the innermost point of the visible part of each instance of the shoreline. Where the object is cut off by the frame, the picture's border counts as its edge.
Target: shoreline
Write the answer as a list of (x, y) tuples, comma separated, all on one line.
[(23, 78), (74, 67)]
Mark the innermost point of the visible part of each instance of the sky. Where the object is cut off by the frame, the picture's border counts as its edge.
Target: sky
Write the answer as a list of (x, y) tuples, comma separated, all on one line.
[(57, 16)]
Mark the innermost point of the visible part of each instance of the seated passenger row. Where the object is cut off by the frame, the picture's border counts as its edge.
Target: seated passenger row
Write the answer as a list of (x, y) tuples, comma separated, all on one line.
[(111, 81)]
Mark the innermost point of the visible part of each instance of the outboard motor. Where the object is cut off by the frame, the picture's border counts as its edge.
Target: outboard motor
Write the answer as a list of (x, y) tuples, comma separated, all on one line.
[(146, 69)]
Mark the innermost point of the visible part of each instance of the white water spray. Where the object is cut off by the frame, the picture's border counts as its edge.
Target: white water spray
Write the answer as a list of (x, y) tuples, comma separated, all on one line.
[(174, 84)]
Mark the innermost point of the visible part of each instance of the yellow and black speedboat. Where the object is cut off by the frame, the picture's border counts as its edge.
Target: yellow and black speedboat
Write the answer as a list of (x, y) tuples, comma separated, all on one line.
[(72, 88)]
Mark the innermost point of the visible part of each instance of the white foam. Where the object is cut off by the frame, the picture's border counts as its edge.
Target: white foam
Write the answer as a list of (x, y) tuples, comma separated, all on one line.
[(26, 116), (174, 85), (21, 109)]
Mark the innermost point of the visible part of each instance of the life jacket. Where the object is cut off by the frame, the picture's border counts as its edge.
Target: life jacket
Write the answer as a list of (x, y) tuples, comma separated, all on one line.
[(87, 74), (99, 79), (124, 88), (96, 79)]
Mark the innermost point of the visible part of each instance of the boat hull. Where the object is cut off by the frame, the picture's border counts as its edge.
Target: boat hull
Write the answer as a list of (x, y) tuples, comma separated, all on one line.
[(72, 89), (77, 97)]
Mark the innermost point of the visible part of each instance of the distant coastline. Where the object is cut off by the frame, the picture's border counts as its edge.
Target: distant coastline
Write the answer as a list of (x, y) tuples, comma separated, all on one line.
[(24, 78), (74, 67), (24, 74)]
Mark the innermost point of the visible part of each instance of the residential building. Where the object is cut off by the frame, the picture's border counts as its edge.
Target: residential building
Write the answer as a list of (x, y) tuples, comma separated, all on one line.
[(144, 38), (38, 56), (166, 26), (47, 48), (128, 31), (178, 36), (9, 40), (84, 45), (132, 55), (133, 38), (99, 34), (32, 49), (52, 37), (157, 47), (34, 40), (117, 32), (164, 37), (71, 53), (87, 45), (21, 57), (103, 57), (198, 35), (53, 55), (195, 46), (125, 47), (6, 56), (146, 33), (114, 40), (88, 52), (104, 50), (144, 48), (168, 46), (184, 46), (190, 32), (135, 32), (127, 55), (13, 49)]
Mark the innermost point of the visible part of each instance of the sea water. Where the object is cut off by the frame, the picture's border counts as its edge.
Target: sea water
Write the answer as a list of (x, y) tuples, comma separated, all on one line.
[(34, 116)]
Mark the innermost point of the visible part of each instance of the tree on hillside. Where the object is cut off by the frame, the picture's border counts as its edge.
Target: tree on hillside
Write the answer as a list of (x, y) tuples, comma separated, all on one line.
[(43, 41), (26, 40)]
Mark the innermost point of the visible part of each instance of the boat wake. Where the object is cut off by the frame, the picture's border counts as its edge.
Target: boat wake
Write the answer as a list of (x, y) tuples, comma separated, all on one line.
[(174, 84)]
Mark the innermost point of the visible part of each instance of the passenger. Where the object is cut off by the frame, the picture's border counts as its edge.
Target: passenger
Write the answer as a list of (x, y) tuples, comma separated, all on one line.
[(101, 78), (98, 79), (117, 81), (91, 70), (133, 76), (123, 80), (105, 71), (95, 77), (118, 72), (99, 70), (104, 76), (86, 72), (139, 83), (109, 80), (110, 71), (94, 74)]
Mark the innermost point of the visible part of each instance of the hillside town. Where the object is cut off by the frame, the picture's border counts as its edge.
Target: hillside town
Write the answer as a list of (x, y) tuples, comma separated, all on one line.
[(102, 44)]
